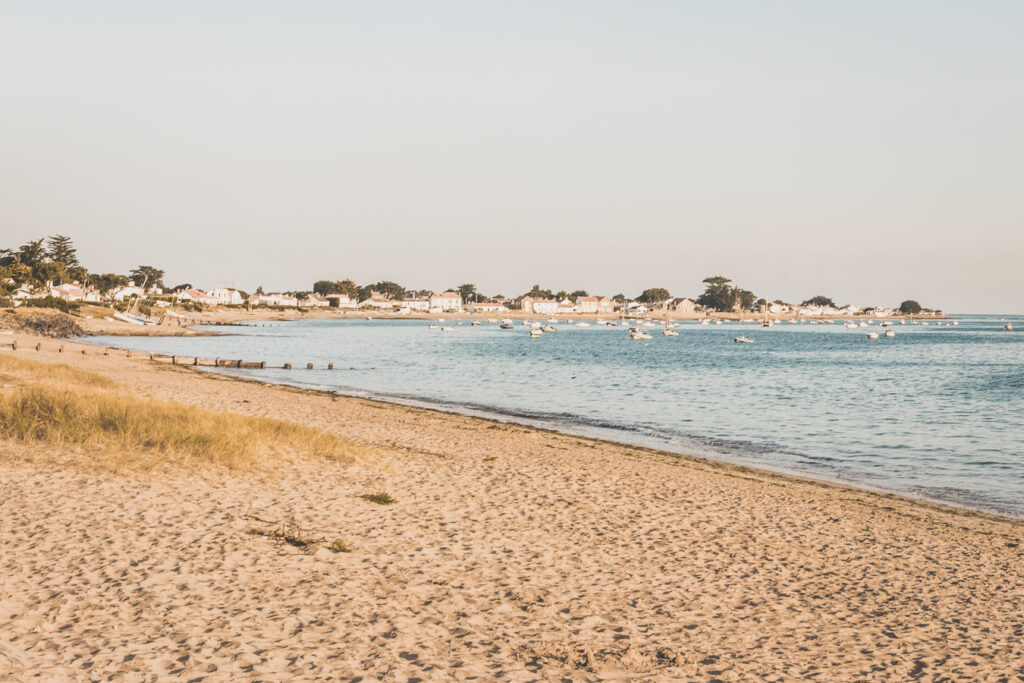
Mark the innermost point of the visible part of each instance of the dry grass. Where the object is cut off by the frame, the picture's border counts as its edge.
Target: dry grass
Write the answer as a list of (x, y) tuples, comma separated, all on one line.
[(380, 498), (53, 372), (83, 413)]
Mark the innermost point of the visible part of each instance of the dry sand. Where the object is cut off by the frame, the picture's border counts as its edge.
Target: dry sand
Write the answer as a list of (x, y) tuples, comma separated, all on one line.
[(511, 554)]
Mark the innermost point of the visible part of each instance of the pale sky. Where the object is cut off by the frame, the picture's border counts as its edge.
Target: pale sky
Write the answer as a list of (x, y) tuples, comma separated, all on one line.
[(868, 151)]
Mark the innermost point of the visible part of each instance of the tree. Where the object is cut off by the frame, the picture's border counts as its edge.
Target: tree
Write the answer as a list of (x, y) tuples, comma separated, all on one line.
[(820, 301), (259, 289), (718, 294), (325, 287), (392, 290), (744, 299), (31, 253), (538, 293), (561, 294), (619, 298), (910, 307), (106, 282), (60, 249), (655, 295), (466, 291), (152, 277), (577, 294)]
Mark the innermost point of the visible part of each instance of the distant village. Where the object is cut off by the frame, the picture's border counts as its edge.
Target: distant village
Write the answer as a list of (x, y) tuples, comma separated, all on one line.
[(47, 272)]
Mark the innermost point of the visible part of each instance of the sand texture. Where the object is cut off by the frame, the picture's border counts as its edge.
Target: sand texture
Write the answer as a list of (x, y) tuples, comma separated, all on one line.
[(510, 554)]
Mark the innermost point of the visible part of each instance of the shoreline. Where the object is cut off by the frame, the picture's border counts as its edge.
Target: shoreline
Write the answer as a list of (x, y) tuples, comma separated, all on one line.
[(607, 433), (511, 552)]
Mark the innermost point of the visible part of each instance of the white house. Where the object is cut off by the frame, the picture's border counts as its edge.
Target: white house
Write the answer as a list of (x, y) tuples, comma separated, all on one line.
[(420, 304), (378, 301), (486, 307), (276, 299), (682, 305), (314, 300), (73, 292), (446, 302), (539, 306), (341, 301), (127, 292), (566, 306), (226, 296)]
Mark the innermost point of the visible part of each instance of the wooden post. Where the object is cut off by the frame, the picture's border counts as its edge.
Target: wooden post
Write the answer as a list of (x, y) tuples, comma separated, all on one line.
[(287, 366), (330, 366), (128, 354), (309, 366), (106, 352), (174, 360), (38, 346), (14, 346), (263, 364), (83, 352), (61, 349), (195, 361)]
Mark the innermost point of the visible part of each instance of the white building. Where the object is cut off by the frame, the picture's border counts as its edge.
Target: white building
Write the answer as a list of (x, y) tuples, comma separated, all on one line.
[(682, 305), (226, 296), (539, 306), (486, 307), (314, 300), (276, 299), (341, 301), (420, 304), (73, 292), (446, 302), (127, 292)]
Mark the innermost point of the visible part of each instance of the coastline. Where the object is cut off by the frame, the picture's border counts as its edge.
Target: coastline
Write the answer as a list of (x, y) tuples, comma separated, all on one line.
[(512, 551)]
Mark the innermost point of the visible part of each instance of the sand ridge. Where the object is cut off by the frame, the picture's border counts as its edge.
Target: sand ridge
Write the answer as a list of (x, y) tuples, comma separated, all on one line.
[(511, 553)]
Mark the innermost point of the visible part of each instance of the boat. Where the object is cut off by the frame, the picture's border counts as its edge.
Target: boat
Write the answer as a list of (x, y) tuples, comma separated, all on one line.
[(872, 335), (534, 332), (552, 321), (742, 340), (491, 321), (582, 324), (1008, 326), (705, 322), (669, 332), (549, 328), (506, 324), (527, 323), (432, 326), (639, 334), (448, 329), (890, 334), (475, 323)]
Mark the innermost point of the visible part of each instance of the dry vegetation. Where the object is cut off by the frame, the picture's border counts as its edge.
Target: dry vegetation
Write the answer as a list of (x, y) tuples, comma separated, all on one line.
[(87, 414)]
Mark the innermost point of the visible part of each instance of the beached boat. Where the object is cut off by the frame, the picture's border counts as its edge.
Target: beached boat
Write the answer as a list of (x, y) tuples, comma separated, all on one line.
[(742, 340)]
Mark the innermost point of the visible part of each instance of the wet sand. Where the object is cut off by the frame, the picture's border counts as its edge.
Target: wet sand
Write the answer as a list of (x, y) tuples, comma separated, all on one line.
[(511, 553)]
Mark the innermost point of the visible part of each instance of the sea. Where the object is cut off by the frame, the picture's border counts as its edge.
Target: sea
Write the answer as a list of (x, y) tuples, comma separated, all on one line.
[(934, 412)]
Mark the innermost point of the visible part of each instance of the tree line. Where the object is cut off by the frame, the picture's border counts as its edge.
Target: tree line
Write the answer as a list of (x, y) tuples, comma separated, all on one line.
[(54, 259)]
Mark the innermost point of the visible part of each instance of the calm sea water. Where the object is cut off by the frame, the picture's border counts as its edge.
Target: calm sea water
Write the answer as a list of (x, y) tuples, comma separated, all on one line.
[(936, 412)]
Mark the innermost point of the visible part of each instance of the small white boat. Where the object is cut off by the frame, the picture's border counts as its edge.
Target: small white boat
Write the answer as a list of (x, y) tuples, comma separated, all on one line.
[(718, 322), (448, 329), (872, 335), (475, 323), (534, 332), (549, 328), (552, 321), (527, 323), (743, 340), (705, 322), (668, 332), (582, 324), (890, 334), (1008, 326), (506, 324), (432, 326), (639, 334), (491, 321), (956, 323)]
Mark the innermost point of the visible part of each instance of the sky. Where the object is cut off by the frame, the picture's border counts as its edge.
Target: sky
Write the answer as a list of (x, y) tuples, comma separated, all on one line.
[(869, 151)]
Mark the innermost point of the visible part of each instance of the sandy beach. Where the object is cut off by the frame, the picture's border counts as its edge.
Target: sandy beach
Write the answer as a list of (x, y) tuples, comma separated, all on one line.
[(510, 554)]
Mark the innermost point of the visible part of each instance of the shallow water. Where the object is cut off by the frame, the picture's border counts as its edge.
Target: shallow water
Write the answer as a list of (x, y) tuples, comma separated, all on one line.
[(936, 412)]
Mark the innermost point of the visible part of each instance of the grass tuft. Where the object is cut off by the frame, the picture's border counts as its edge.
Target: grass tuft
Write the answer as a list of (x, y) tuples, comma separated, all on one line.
[(380, 498), (339, 546)]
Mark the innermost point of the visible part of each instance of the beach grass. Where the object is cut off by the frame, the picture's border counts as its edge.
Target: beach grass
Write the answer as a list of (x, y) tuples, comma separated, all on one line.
[(57, 372), (84, 413)]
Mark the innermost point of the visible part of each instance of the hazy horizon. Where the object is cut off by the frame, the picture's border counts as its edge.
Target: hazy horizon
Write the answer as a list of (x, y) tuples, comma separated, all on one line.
[(869, 153)]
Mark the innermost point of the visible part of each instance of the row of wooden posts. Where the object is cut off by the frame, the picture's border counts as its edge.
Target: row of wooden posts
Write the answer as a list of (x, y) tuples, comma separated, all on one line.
[(188, 360)]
